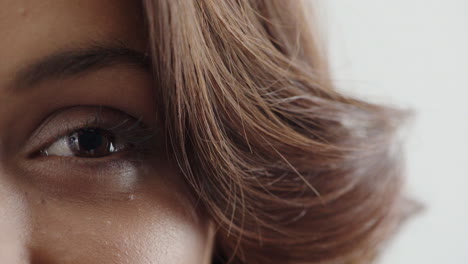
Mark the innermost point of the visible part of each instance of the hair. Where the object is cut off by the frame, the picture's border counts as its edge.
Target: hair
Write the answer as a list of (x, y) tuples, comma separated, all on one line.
[(289, 169)]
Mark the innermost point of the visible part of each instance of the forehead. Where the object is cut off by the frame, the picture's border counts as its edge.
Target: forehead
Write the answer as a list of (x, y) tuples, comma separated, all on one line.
[(31, 29)]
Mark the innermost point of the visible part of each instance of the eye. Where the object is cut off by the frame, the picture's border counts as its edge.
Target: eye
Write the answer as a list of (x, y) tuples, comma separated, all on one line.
[(101, 149), (86, 143), (93, 132)]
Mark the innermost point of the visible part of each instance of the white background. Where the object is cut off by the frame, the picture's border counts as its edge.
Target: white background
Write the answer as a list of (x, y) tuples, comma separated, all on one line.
[(414, 53)]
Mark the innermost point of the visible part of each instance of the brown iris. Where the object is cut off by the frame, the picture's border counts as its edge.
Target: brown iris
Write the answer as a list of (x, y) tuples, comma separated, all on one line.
[(91, 142)]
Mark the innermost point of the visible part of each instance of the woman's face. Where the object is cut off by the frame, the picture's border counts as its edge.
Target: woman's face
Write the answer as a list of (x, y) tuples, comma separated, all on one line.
[(84, 177)]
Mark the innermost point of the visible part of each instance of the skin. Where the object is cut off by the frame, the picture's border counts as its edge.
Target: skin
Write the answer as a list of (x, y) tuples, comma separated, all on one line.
[(121, 208)]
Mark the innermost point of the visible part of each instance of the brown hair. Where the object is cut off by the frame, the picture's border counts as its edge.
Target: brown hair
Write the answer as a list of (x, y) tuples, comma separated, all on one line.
[(291, 170)]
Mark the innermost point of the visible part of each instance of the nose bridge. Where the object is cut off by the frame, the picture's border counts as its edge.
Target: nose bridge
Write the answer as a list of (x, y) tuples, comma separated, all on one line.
[(13, 226)]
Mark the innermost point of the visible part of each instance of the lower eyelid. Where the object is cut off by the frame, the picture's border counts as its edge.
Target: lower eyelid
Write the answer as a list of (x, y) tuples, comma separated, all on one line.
[(79, 176)]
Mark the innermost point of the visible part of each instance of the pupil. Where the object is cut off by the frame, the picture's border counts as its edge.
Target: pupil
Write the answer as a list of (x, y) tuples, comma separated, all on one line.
[(90, 140)]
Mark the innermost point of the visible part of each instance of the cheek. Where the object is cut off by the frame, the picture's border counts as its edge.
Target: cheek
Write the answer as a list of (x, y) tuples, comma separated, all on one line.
[(167, 238), (13, 227), (158, 225)]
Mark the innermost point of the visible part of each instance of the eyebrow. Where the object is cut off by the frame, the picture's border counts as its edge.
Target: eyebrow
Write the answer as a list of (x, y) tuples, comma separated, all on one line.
[(73, 62)]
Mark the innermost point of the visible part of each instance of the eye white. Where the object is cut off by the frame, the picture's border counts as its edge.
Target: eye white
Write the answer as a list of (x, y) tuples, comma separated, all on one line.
[(59, 148)]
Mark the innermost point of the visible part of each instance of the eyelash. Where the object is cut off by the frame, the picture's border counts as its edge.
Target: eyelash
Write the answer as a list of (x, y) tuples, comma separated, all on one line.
[(135, 134)]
